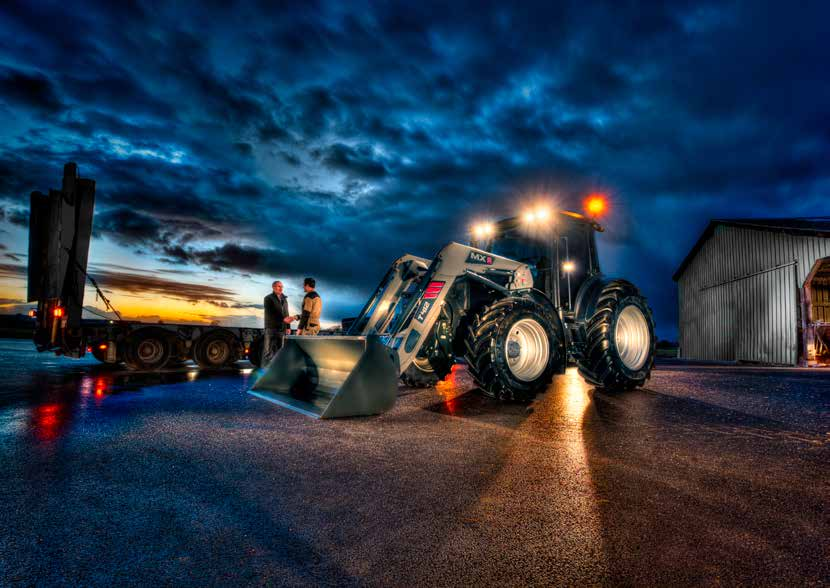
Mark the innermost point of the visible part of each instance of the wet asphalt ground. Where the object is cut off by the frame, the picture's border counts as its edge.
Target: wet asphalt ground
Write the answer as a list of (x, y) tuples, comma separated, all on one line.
[(710, 475)]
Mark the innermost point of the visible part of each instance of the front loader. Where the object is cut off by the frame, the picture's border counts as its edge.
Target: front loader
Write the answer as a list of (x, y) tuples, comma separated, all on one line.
[(519, 303)]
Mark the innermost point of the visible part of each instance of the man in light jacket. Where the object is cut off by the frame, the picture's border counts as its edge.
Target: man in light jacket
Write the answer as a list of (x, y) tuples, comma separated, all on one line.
[(312, 308)]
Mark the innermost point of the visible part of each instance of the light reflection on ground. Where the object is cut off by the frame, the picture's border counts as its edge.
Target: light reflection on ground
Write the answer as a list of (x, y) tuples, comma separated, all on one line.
[(56, 394), (449, 390), (544, 457)]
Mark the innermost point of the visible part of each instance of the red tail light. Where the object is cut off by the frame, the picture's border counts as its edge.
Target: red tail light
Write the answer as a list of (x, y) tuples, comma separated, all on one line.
[(58, 312), (433, 290), (88, 349)]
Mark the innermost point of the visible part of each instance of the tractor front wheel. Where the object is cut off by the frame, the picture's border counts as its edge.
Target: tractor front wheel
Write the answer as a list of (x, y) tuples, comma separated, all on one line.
[(513, 348), (420, 374)]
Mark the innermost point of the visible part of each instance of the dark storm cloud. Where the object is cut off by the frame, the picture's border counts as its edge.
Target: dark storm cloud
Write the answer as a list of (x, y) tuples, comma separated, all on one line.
[(235, 257), (14, 215), (18, 216), (238, 305), (13, 271), (286, 140), (136, 283), (128, 226), (11, 301), (116, 90), (290, 158), (360, 161), (271, 131), (27, 90), (294, 261)]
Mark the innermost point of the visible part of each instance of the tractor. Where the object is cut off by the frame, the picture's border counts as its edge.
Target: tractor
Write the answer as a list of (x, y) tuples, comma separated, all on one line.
[(521, 302)]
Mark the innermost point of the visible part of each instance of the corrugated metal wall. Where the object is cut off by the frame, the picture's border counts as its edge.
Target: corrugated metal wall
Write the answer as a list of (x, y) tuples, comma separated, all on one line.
[(739, 296)]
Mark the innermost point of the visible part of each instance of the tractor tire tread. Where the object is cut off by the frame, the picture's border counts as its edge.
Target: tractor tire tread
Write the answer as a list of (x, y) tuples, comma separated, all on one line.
[(481, 356), (598, 365)]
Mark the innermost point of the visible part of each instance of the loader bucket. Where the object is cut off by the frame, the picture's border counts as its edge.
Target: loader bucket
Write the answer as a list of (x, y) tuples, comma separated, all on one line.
[(330, 377)]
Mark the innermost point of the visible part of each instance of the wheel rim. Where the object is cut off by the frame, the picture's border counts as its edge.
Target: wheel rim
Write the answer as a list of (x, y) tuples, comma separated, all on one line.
[(527, 349), (422, 363), (150, 351), (632, 337), (217, 352)]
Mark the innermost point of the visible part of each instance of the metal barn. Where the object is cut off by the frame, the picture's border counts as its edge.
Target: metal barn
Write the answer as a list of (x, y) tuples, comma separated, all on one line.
[(757, 290)]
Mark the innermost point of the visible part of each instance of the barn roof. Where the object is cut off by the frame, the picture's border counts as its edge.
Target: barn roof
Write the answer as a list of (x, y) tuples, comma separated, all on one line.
[(807, 226)]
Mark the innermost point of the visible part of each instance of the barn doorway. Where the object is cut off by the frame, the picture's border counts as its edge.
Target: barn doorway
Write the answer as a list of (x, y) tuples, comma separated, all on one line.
[(816, 322)]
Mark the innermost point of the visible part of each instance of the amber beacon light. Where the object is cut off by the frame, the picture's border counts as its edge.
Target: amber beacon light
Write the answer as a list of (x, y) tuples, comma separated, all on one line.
[(596, 205)]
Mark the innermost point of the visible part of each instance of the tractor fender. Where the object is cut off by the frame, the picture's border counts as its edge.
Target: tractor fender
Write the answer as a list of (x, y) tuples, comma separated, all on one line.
[(587, 295)]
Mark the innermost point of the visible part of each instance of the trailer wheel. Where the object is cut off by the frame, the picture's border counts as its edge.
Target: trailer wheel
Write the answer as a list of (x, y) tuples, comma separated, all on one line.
[(513, 348), (619, 339), (216, 349), (147, 349)]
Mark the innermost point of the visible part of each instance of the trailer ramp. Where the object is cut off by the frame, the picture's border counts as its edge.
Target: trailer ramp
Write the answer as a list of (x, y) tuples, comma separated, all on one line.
[(331, 377)]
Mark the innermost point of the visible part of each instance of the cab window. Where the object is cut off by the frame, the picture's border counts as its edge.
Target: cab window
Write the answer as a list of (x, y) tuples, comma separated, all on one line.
[(534, 252)]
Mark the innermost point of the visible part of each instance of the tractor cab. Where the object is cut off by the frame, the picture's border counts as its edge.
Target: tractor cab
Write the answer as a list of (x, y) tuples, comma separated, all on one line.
[(560, 249)]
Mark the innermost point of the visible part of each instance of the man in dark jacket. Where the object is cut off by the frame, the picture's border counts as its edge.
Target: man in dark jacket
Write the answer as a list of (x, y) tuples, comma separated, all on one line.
[(276, 310)]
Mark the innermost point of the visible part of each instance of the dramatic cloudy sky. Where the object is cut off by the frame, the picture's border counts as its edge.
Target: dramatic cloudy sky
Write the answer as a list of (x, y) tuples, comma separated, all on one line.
[(234, 146)]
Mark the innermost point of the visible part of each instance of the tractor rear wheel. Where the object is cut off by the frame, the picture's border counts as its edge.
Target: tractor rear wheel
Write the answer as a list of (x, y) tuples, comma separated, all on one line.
[(513, 348), (619, 339)]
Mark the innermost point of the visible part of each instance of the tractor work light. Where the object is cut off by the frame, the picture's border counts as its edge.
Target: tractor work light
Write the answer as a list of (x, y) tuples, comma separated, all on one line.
[(596, 204), (33, 313), (540, 214), (568, 267), (482, 230)]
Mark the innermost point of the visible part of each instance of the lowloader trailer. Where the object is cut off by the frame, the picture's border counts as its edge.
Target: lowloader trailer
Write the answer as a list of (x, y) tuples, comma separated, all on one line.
[(524, 299), (60, 228)]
